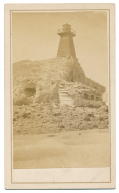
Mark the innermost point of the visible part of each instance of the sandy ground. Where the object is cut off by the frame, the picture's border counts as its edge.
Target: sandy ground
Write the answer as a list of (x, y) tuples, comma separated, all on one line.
[(85, 148)]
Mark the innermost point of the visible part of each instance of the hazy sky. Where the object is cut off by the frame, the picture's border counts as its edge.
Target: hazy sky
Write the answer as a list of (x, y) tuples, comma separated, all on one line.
[(34, 37)]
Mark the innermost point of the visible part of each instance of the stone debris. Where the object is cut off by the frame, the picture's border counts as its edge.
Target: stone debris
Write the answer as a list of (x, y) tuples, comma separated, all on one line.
[(57, 80), (44, 93), (53, 118)]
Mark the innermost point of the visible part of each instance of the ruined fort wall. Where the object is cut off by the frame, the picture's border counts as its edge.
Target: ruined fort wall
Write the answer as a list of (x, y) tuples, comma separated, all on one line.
[(89, 82), (77, 75)]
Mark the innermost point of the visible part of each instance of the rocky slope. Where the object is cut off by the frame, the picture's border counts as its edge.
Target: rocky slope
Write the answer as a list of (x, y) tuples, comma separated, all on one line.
[(35, 98), (52, 118), (38, 81)]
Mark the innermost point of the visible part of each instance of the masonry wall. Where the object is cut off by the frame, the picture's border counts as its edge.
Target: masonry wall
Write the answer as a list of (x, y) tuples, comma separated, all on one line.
[(87, 103), (79, 76), (89, 82)]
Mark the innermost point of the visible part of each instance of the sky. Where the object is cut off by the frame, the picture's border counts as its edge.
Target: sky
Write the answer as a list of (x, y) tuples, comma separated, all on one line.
[(34, 37)]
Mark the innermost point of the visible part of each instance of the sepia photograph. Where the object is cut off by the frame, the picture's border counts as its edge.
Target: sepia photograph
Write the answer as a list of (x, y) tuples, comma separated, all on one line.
[(60, 89), (60, 101)]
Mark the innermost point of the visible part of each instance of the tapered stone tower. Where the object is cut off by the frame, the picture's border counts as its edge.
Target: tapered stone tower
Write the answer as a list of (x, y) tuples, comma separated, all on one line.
[(66, 45)]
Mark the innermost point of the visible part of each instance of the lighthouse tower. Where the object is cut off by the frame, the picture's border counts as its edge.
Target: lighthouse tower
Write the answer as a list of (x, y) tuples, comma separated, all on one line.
[(66, 45)]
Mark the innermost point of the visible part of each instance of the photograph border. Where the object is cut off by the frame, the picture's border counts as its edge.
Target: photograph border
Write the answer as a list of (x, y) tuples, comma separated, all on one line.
[(11, 97)]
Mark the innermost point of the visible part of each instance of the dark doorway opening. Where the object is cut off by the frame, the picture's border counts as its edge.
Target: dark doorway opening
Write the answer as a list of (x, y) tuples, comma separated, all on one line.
[(30, 91), (92, 97)]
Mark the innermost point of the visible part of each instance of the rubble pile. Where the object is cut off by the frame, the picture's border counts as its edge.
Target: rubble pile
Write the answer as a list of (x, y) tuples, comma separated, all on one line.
[(38, 81), (40, 91), (52, 118)]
